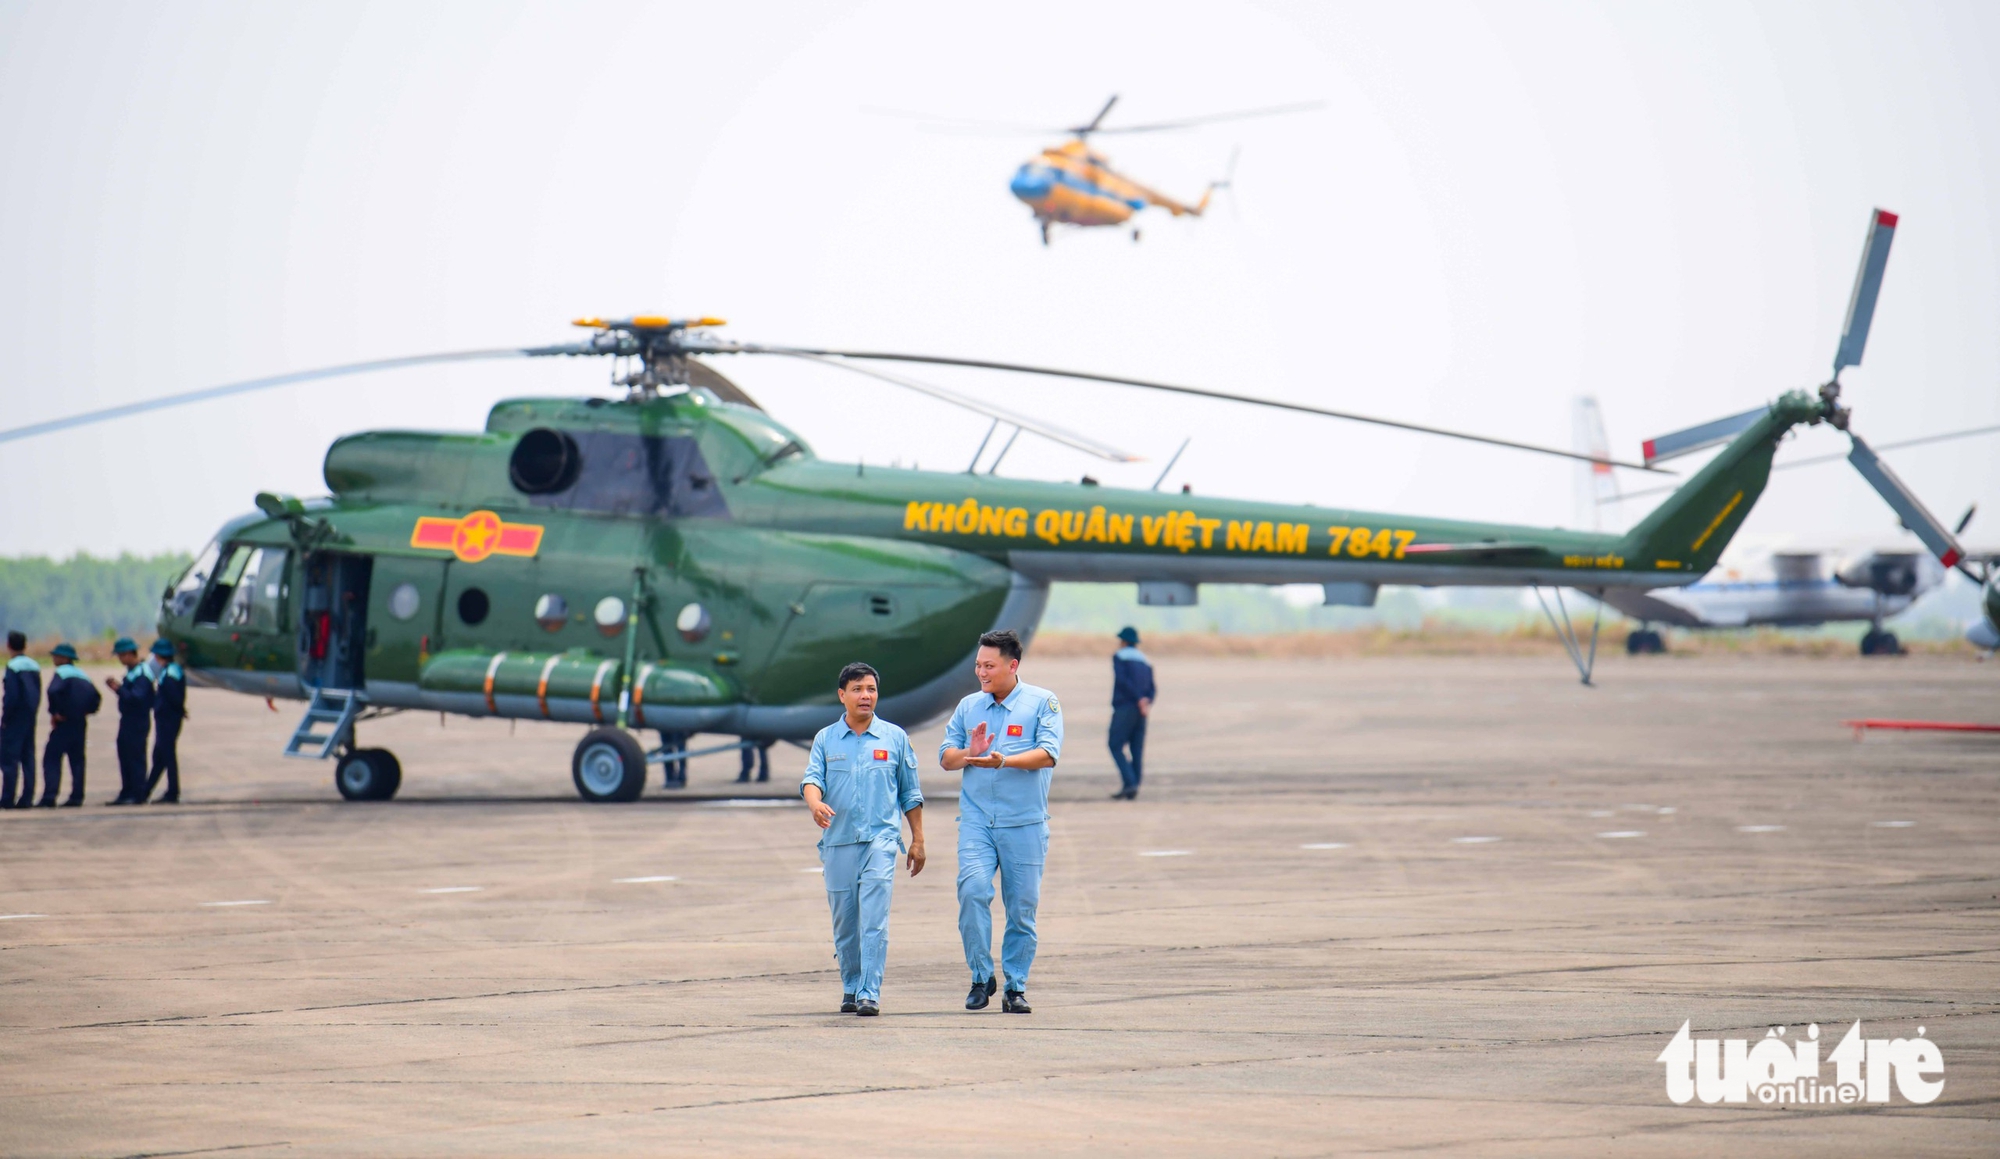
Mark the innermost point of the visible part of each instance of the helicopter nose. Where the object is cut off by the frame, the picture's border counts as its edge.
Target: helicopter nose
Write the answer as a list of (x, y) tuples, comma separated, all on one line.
[(1032, 183)]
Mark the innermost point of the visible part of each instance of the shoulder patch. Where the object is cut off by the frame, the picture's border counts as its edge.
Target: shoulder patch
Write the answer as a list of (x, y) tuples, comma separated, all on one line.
[(1055, 706)]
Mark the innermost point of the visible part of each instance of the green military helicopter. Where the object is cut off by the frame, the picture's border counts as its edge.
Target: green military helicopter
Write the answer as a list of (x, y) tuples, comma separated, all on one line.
[(677, 560)]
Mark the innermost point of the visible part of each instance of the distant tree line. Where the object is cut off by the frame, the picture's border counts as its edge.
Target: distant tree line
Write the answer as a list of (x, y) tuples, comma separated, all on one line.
[(84, 597)]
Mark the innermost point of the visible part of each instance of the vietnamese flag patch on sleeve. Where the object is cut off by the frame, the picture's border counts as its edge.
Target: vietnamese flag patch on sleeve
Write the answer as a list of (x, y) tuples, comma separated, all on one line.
[(881, 754), (1013, 730)]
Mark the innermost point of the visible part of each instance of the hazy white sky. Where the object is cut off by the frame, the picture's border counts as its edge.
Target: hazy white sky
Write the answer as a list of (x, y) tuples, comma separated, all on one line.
[(1501, 206)]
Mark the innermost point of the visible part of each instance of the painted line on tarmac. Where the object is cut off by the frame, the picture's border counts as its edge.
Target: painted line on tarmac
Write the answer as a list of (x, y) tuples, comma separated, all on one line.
[(15, 917), (1602, 813), (1617, 833), (1166, 852), (753, 803), (641, 880), (814, 869), (454, 889), (1473, 840), (1325, 845), (1891, 824), (1666, 810), (1760, 828), (246, 901)]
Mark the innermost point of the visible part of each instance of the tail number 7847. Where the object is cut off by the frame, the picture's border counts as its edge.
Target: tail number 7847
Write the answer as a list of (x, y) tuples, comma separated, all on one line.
[(1362, 542)]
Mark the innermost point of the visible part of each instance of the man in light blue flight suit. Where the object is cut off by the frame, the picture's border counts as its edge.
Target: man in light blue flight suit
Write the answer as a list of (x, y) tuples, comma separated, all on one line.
[(860, 780), (1006, 737)]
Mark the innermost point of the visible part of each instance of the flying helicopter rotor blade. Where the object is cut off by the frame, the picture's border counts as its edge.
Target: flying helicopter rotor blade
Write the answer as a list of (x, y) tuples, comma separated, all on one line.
[(1048, 431), (970, 124), (1097, 120), (1145, 384), (245, 387), (1215, 118)]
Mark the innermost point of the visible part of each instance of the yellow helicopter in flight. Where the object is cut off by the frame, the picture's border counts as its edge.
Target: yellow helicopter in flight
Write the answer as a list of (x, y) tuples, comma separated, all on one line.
[(1074, 184)]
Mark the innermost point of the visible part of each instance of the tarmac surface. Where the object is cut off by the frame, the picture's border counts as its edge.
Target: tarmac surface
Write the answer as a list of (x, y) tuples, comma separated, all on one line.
[(1450, 906)]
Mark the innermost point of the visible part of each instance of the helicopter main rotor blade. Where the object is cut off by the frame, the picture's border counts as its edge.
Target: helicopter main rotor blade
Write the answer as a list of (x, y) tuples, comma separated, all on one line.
[(1097, 120), (1199, 392), (245, 387), (1048, 431), (1213, 118)]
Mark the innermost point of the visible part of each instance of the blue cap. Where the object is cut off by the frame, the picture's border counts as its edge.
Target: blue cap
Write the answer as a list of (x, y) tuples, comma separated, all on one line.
[(124, 644), (63, 652), (162, 648), (1129, 635)]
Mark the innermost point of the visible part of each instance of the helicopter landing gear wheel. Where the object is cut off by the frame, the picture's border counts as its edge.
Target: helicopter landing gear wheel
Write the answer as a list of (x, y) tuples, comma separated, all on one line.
[(368, 775), (1644, 641), (1880, 643), (608, 766)]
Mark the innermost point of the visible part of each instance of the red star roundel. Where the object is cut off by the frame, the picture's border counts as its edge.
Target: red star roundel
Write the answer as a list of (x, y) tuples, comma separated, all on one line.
[(1013, 730)]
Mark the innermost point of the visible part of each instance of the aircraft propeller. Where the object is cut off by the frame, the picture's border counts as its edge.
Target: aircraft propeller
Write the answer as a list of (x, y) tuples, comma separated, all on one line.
[(1941, 541), (1095, 127), (660, 350)]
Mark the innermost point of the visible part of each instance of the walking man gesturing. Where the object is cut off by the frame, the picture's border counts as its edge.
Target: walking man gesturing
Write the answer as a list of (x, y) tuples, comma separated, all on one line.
[(1006, 737)]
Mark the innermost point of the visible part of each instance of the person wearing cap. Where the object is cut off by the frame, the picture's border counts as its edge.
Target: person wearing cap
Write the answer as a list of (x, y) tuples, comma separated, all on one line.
[(72, 699), (1131, 703), (136, 694), (1007, 737), (18, 706), (169, 710), (860, 782)]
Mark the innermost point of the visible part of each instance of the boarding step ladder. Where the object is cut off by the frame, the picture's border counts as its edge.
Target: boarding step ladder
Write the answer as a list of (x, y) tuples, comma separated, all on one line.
[(335, 707)]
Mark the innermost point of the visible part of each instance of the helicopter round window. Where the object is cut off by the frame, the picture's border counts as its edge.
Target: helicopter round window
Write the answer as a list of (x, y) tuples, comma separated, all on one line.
[(552, 612), (473, 605), (692, 623), (404, 601), (544, 461), (610, 615)]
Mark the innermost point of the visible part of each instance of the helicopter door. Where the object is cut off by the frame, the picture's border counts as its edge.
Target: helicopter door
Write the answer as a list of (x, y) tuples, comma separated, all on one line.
[(333, 621), (405, 605)]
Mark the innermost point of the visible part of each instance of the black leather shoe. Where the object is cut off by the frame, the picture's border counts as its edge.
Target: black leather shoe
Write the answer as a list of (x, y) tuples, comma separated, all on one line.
[(72, 803), (847, 1003), (981, 991), (1016, 1002), (169, 799), (50, 803), (866, 1009)]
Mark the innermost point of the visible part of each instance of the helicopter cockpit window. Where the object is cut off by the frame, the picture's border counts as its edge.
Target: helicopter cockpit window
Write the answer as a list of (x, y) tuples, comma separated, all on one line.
[(253, 604), (217, 597), (621, 474), (187, 590)]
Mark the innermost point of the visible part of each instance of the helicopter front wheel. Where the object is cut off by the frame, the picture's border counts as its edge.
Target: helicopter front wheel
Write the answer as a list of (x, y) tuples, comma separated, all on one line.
[(368, 775), (608, 766)]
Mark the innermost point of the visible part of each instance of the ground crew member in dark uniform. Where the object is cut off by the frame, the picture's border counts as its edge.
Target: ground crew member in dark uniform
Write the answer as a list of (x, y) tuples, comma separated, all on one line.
[(18, 706), (72, 699), (758, 755), (1131, 704), (169, 710), (135, 694)]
